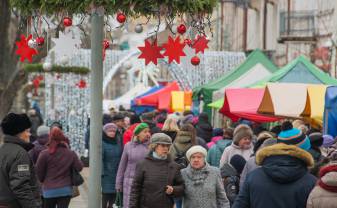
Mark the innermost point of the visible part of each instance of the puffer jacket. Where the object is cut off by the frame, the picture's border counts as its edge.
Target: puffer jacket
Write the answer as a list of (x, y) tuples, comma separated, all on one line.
[(18, 183), (149, 185), (214, 154), (325, 192), (204, 130), (182, 143), (283, 181)]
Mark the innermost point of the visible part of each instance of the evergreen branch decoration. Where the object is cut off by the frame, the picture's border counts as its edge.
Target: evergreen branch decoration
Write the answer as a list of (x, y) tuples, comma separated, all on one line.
[(56, 68), (129, 7)]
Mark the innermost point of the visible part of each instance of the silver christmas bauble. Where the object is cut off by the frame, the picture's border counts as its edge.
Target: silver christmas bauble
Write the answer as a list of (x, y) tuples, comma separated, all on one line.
[(46, 66), (139, 28), (64, 60), (32, 43)]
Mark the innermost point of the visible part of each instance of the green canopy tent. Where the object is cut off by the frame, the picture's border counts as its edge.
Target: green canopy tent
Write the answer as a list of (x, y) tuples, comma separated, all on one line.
[(300, 70), (256, 67)]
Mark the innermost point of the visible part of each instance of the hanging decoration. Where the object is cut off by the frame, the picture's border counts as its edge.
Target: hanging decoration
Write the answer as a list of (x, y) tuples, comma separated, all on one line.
[(106, 45), (36, 83), (195, 61), (66, 44), (32, 43), (81, 84), (200, 44), (174, 49), (139, 28), (24, 51), (188, 42), (150, 52), (67, 22), (121, 18), (181, 29), (47, 66), (40, 41)]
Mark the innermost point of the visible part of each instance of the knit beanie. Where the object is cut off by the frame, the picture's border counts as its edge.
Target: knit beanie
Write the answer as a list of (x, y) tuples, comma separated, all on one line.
[(14, 124), (241, 131), (217, 132), (109, 127), (293, 136), (328, 140), (196, 149), (316, 139), (238, 162), (140, 127), (42, 130)]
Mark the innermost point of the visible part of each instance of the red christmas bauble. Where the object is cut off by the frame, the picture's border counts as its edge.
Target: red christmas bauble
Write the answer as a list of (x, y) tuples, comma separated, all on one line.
[(181, 29), (121, 17), (195, 61), (67, 21), (188, 42), (106, 44), (40, 41)]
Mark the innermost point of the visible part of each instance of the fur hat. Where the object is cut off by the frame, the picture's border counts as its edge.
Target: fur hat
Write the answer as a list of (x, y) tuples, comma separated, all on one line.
[(196, 149), (14, 124), (42, 130), (160, 138), (118, 117), (240, 132)]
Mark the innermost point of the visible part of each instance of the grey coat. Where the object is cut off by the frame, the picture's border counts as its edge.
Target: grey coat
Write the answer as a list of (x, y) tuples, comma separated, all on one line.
[(203, 188)]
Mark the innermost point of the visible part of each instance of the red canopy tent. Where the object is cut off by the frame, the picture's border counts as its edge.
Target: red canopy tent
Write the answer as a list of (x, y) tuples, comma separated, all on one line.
[(161, 98), (244, 103)]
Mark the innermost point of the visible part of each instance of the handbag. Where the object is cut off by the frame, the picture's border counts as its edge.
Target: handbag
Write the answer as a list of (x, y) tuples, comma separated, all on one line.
[(119, 200), (76, 192), (76, 178)]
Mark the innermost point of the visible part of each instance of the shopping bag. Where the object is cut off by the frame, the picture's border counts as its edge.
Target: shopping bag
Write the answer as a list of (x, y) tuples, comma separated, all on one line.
[(119, 200)]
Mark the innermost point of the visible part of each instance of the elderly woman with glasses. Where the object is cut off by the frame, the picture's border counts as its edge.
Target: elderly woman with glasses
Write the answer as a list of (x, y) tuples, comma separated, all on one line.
[(157, 179)]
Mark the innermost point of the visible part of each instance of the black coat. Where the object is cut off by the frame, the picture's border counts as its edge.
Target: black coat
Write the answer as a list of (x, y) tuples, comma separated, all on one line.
[(283, 181), (204, 130), (150, 181), (18, 183)]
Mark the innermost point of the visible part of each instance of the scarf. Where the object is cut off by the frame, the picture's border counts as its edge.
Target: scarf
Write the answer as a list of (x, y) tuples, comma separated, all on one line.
[(199, 176), (156, 156)]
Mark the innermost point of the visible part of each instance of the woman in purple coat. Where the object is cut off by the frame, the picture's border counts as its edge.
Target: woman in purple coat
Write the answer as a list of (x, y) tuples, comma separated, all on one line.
[(134, 151)]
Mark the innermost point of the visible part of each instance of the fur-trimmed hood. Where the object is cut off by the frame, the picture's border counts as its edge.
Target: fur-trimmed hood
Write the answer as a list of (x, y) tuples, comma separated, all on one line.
[(183, 137), (287, 150)]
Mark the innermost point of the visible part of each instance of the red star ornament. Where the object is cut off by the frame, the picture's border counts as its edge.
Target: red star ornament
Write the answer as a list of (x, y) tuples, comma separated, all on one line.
[(81, 84), (24, 51), (200, 44), (174, 49), (150, 52)]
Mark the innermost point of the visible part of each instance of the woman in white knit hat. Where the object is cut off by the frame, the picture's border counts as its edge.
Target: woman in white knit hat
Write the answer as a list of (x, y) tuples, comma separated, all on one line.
[(203, 183)]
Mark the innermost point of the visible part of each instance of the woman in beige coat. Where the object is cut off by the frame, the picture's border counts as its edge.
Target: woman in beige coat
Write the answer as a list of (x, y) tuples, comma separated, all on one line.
[(325, 192)]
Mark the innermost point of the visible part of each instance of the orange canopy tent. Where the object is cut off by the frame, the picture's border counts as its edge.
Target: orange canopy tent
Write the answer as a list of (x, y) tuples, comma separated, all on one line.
[(244, 103), (161, 99)]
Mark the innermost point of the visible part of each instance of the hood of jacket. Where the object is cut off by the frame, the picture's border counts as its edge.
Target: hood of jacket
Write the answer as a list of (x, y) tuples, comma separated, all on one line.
[(222, 144), (216, 138), (42, 140), (227, 170), (183, 137), (284, 163), (18, 141)]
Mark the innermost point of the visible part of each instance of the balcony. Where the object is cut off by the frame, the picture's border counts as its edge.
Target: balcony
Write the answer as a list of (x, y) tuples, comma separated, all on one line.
[(298, 26)]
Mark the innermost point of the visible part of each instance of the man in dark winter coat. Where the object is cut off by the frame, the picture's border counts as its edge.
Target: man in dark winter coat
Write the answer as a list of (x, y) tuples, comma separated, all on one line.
[(18, 183), (283, 181)]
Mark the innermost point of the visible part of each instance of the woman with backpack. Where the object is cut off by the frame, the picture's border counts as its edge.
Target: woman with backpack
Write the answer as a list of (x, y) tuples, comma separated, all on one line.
[(54, 168)]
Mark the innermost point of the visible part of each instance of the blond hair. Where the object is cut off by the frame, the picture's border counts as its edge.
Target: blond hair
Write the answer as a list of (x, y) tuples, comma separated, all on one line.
[(170, 124)]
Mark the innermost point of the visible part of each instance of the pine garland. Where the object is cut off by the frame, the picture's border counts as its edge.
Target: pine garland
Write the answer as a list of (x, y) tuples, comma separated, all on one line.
[(128, 7), (30, 68)]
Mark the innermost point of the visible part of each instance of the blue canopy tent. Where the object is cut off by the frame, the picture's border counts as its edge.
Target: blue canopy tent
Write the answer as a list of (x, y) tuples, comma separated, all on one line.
[(330, 111), (144, 108)]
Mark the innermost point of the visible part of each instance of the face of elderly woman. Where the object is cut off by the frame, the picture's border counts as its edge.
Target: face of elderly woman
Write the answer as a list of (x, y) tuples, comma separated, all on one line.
[(197, 160), (111, 133), (162, 150), (144, 135)]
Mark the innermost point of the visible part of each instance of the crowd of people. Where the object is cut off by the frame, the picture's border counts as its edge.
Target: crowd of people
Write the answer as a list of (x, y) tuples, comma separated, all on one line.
[(158, 159)]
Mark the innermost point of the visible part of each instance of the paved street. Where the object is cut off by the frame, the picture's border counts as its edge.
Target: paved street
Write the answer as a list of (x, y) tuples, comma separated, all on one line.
[(82, 200)]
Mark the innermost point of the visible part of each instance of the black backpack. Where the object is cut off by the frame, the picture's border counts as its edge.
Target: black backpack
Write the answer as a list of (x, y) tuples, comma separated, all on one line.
[(180, 158)]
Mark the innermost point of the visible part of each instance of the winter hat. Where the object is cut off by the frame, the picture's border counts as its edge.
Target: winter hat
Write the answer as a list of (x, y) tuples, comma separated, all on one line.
[(217, 132), (140, 127), (118, 117), (242, 131), (42, 130), (264, 135), (328, 140), (238, 162), (326, 182), (14, 124), (134, 119), (316, 139), (196, 149), (160, 138), (293, 136), (109, 126), (187, 119)]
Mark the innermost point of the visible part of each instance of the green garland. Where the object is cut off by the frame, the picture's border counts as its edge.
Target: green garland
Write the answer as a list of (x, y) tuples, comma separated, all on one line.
[(129, 7), (56, 68)]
